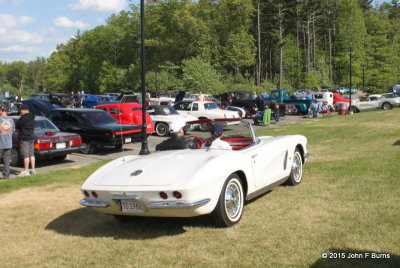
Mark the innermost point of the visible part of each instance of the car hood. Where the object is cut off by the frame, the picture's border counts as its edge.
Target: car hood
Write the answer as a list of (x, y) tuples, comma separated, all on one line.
[(158, 169)]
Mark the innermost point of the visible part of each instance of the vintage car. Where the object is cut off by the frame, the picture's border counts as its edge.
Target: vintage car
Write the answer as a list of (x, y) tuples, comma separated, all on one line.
[(50, 142), (164, 115), (193, 182), (374, 102), (204, 110), (96, 127), (128, 114), (91, 101)]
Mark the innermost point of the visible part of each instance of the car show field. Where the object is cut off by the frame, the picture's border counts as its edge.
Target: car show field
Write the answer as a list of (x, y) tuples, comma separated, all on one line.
[(343, 214)]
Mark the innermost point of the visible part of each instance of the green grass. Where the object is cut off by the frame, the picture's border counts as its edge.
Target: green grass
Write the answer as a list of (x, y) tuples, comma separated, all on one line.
[(348, 202)]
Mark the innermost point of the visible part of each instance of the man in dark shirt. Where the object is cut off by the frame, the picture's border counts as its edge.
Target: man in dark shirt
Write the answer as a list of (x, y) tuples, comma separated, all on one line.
[(26, 126), (176, 141)]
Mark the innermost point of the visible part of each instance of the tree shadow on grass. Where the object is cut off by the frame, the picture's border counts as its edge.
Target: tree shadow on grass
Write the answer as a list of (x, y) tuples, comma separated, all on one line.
[(89, 223), (397, 143), (344, 258)]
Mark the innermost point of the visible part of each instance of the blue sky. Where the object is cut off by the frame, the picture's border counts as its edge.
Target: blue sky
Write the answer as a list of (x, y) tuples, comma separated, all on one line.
[(33, 28)]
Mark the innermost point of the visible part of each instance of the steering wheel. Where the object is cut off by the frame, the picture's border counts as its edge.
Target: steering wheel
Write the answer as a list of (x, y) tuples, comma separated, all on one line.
[(196, 141)]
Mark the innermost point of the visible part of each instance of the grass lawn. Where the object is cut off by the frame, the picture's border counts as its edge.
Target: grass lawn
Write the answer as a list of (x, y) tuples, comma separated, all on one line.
[(346, 206)]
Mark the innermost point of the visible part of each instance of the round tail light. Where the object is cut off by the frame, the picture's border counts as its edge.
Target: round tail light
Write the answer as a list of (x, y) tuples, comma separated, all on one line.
[(86, 193), (163, 195), (177, 195), (94, 194)]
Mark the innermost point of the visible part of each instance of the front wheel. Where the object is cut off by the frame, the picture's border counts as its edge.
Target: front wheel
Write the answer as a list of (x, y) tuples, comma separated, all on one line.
[(230, 204), (386, 106), (296, 172)]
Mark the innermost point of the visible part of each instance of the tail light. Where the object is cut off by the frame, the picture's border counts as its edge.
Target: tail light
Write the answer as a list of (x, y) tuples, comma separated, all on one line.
[(86, 193), (177, 195), (163, 195), (75, 143), (42, 146), (94, 194)]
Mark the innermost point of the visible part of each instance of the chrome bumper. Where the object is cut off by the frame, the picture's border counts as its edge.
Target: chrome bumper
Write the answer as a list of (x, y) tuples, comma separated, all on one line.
[(94, 204), (179, 205)]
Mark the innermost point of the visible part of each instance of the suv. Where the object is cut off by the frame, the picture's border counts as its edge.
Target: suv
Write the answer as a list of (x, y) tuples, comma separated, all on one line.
[(96, 127)]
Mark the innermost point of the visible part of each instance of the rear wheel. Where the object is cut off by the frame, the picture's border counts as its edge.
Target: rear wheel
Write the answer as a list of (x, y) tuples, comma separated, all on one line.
[(230, 204), (89, 148), (162, 129), (296, 169), (15, 160), (386, 106)]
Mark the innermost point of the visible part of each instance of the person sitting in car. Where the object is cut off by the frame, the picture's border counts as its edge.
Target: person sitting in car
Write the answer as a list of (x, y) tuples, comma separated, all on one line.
[(177, 140), (215, 142)]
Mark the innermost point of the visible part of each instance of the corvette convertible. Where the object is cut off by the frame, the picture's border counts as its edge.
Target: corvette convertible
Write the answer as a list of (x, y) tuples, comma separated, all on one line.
[(197, 181)]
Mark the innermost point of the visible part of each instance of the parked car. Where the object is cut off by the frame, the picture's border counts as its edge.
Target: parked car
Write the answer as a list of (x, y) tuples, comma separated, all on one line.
[(324, 97), (91, 101), (61, 99), (164, 115), (39, 96), (375, 102), (204, 110), (215, 182), (96, 127), (128, 114), (50, 142)]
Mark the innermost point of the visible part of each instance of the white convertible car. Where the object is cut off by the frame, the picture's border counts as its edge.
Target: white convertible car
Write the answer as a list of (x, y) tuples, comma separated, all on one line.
[(164, 115), (193, 182)]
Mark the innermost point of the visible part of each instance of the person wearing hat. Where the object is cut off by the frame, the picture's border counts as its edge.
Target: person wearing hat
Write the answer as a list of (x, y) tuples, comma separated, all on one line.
[(26, 126), (6, 132), (215, 142), (177, 140)]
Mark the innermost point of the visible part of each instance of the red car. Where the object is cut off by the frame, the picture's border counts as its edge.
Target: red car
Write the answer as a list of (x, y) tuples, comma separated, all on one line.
[(339, 98), (50, 142), (127, 114)]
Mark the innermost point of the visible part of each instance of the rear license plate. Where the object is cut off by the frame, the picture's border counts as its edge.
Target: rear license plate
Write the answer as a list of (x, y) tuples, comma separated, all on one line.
[(131, 205), (60, 145), (128, 140)]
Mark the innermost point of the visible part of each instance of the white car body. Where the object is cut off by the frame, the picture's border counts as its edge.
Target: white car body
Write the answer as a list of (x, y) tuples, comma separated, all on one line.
[(200, 110), (133, 185), (163, 119), (324, 97), (375, 101)]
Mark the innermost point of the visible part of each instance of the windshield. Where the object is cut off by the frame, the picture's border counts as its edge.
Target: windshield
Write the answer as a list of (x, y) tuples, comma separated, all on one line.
[(210, 106), (99, 117)]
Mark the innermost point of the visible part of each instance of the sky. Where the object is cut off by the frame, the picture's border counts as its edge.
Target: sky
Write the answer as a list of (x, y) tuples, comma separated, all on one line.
[(33, 28)]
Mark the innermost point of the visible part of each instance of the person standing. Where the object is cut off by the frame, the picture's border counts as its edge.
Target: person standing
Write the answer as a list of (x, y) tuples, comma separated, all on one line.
[(78, 100), (6, 132), (26, 126)]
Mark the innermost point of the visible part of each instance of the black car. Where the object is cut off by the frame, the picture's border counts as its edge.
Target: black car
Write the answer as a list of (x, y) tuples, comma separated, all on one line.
[(96, 127)]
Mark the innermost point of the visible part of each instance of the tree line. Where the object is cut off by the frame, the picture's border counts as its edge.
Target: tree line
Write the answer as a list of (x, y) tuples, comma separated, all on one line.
[(216, 46)]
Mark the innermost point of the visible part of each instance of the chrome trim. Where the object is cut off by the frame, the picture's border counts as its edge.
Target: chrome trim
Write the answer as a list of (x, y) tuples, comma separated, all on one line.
[(86, 203), (179, 205), (117, 197), (307, 155)]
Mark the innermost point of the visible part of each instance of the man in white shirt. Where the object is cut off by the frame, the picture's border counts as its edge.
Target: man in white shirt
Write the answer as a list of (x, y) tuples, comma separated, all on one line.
[(215, 142)]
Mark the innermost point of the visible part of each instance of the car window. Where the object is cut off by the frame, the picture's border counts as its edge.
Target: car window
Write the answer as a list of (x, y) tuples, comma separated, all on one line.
[(195, 107), (99, 117), (44, 125), (183, 106), (210, 106)]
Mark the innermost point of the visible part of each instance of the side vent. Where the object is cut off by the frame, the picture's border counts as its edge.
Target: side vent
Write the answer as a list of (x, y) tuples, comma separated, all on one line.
[(285, 161)]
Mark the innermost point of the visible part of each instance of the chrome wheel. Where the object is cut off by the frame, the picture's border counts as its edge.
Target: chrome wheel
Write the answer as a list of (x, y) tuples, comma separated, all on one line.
[(162, 129), (386, 106), (233, 199), (230, 204), (296, 169)]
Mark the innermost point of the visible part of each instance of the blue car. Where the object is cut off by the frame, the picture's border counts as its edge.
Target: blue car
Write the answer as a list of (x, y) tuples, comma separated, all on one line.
[(91, 101)]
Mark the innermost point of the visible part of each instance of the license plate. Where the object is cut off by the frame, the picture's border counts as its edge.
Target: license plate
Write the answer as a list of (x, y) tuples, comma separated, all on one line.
[(128, 140), (60, 145), (131, 205)]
